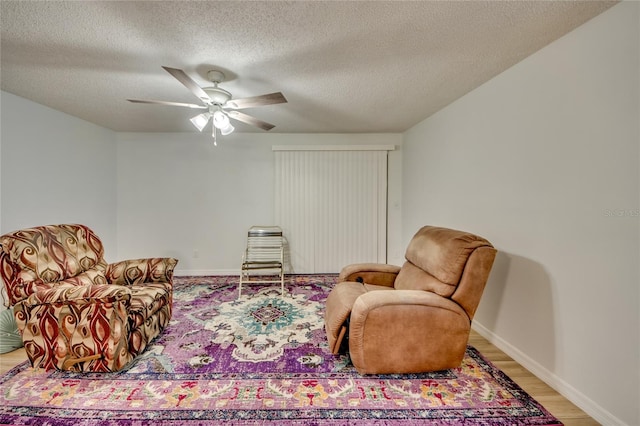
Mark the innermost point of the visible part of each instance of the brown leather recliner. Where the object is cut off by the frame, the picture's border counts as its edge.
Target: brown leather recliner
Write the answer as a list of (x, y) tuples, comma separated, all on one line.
[(416, 318)]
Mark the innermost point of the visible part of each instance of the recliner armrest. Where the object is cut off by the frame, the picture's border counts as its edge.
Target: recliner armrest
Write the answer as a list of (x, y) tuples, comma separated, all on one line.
[(138, 271), (370, 273), (406, 331)]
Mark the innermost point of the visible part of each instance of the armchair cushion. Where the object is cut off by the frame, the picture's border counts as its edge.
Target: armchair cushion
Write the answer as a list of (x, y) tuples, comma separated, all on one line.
[(413, 278), (69, 293), (147, 300)]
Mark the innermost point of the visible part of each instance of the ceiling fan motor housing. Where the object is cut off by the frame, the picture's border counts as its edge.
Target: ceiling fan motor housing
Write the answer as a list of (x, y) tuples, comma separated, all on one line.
[(218, 96)]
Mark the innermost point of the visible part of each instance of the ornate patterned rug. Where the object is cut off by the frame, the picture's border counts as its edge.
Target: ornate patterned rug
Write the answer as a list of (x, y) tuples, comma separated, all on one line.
[(258, 360)]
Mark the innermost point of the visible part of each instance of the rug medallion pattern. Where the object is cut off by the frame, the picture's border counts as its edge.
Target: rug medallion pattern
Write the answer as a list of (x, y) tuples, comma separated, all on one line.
[(259, 359)]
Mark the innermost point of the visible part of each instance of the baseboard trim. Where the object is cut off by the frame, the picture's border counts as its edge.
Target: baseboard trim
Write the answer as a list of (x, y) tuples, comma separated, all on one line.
[(586, 404), (220, 272), (205, 272)]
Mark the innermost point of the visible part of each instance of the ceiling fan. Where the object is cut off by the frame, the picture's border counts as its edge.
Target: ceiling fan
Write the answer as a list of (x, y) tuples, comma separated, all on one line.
[(219, 103)]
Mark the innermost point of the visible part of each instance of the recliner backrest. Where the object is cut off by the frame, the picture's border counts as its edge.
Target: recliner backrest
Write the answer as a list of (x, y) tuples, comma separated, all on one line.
[(49, 254), (436, 261)]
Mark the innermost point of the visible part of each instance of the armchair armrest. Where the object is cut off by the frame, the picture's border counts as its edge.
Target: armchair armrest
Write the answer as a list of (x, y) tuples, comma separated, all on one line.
[(137, 271), (370, 273)]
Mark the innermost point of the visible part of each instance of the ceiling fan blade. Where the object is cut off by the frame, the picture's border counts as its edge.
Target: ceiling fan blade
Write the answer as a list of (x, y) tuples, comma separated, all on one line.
[(180, 104), (183, 78), (256, 101), (240, 116)]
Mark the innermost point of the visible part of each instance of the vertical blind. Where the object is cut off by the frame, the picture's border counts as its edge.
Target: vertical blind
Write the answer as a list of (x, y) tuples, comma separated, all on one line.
[(332, 206)]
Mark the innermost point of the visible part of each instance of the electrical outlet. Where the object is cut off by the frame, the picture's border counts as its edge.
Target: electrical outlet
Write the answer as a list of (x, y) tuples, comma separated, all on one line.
[(196, 253)]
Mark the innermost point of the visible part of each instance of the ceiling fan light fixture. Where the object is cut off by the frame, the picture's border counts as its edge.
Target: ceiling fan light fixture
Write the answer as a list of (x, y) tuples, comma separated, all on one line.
[(227, 130), (201, 120), (220, 120)]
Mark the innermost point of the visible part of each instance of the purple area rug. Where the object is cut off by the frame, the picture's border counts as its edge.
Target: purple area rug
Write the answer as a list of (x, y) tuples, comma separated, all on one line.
[(261, 359)]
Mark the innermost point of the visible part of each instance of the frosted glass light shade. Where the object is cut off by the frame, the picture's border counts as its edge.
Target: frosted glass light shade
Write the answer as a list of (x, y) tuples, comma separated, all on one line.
[(201, 120), (227, 130), (220, 120)]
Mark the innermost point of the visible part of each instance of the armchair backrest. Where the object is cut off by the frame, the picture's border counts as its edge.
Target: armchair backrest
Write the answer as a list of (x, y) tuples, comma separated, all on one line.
[(47, 255), (450, 263)]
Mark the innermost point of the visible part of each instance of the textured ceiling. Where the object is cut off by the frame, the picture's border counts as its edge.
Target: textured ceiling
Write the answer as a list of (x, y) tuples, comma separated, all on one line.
[(344, 66)]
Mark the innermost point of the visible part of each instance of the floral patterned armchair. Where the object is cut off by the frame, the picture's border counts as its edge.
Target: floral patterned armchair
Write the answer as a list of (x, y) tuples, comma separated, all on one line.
[(75, 311)]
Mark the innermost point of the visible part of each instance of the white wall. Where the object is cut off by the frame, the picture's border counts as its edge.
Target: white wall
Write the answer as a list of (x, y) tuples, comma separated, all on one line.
[(56, 169), (180, 196), (543, 161)]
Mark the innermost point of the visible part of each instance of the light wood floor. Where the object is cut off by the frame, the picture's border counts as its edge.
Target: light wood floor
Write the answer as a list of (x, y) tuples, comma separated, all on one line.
[(559, 406)]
